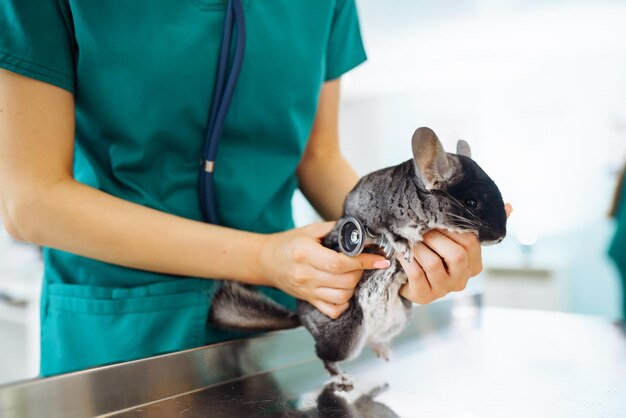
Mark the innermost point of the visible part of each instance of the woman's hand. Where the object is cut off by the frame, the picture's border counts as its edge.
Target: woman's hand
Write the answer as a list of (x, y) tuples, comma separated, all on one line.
[(295, 262), (442, 263)]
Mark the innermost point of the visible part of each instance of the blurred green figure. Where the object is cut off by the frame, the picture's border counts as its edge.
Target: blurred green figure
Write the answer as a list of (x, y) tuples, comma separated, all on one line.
[(617, 250)]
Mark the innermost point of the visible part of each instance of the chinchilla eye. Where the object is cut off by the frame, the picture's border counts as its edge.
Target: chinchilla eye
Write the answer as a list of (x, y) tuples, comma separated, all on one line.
[(471, 202)]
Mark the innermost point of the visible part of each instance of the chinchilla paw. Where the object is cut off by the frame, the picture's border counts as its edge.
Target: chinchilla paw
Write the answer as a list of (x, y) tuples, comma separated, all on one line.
[(340, 383), (382, 351), (404, 248)]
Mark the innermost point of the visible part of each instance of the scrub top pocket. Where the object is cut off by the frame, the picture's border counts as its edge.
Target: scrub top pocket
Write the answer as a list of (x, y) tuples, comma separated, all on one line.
[(85, 326)]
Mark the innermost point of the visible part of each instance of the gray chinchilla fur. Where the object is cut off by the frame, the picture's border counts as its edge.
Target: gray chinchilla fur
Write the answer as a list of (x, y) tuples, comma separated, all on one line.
[(432, 190)]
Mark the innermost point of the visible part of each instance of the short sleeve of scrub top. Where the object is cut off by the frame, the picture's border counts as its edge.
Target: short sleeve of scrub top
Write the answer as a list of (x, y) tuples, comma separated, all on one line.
[(142, 74), (35, 41)]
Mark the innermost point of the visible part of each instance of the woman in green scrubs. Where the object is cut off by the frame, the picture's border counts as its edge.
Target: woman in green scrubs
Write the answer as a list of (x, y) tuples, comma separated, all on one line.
[(617, 248), (103, 108)]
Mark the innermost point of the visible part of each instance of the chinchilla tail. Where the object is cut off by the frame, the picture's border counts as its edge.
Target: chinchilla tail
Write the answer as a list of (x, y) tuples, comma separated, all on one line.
[(240, 307)]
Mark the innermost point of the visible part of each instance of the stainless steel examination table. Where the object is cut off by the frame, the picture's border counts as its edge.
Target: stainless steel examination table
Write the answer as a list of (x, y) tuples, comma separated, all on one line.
[(455, 359)]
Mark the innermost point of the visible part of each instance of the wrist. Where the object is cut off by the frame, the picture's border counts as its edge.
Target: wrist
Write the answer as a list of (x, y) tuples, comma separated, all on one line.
[(258, 262)]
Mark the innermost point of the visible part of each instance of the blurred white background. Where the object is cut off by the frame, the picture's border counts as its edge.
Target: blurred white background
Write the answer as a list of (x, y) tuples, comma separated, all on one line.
[(536, 87), (538, 90)]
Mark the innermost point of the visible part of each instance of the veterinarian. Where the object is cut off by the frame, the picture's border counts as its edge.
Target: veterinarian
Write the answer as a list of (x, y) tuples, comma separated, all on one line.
[(617, 248), (103, 111)]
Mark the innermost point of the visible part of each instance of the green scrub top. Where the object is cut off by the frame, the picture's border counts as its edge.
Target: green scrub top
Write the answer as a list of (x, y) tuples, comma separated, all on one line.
[(142, 73), (617, 249)]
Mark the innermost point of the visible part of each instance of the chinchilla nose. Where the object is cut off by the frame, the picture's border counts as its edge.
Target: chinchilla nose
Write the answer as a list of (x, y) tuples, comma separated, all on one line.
[(491, 239)]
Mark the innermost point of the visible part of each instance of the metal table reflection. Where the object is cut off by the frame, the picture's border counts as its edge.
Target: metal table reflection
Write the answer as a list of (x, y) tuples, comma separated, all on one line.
[(455, 359)]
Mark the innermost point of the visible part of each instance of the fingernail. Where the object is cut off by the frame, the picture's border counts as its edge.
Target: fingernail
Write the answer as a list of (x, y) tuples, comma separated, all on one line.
[(382, 264)]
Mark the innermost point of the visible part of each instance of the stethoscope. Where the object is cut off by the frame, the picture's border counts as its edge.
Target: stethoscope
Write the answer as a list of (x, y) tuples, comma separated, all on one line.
[(225, 81), (354, 238)]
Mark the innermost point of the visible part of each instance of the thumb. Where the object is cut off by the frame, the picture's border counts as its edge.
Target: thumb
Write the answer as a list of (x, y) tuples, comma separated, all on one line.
[(318, 230)]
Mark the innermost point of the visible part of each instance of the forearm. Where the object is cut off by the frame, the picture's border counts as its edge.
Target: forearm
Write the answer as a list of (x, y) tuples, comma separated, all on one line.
[(40, 202), (79, 219), (325, 180), (325, 177)]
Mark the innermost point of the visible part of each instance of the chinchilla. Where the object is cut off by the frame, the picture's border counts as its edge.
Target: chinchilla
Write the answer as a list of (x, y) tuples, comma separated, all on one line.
[(433, 190)]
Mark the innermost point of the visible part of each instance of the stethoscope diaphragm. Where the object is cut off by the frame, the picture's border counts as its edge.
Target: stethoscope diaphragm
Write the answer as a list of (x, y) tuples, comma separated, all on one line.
[(355, 238)]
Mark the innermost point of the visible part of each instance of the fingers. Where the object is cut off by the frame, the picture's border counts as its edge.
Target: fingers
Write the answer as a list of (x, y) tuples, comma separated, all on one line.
[(465, 256), (333, 301), (334, 296), (417, 289), (434, 269), (318, 230), (331, 261), (323, 279), (428, 279), (445, 261), (336, 289), (325, 259), (329, 309)]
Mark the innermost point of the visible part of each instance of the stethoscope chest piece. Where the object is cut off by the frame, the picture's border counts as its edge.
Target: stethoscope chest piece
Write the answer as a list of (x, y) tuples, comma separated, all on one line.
[(355, 238)]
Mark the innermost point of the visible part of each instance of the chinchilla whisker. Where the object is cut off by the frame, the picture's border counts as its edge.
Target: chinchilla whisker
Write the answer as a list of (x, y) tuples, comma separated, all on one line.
[(460, 217), (454, 200), (463, 219), (464, 222)]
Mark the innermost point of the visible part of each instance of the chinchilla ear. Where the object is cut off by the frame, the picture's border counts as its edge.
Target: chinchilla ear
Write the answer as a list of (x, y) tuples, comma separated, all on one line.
[(430, 159), (463, 148)]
